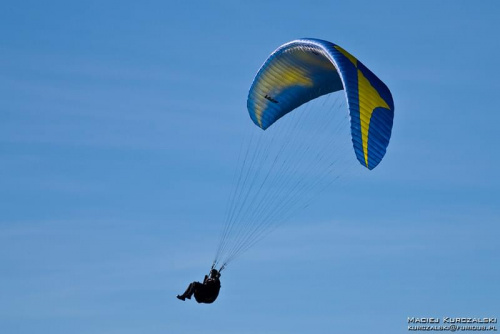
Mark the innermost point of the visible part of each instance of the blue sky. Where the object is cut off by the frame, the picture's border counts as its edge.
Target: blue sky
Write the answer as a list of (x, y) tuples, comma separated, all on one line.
[(120, 124)]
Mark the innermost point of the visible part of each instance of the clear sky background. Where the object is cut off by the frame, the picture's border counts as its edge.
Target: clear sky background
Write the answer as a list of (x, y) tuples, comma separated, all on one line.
[(119, 130)]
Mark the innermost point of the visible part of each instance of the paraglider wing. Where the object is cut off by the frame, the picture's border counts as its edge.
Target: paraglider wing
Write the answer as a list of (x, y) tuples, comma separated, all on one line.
[(302, 70)]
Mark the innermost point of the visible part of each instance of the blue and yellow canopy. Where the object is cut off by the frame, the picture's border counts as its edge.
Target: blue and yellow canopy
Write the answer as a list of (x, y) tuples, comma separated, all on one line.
[(304, 69)]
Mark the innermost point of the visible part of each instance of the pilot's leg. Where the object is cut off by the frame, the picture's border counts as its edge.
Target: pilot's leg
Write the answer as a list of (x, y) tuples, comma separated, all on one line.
[(189, 291)]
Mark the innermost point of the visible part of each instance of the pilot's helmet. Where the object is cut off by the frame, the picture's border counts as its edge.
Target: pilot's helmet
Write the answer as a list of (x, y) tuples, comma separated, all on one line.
[(214, 273)]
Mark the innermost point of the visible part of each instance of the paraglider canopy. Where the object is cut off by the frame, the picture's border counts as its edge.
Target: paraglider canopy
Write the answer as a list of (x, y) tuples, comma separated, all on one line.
[(283, 169), (304, 69)]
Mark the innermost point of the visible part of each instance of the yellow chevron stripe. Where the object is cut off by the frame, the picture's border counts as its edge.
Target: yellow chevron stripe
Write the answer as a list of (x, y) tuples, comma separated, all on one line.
[(369, 100)]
